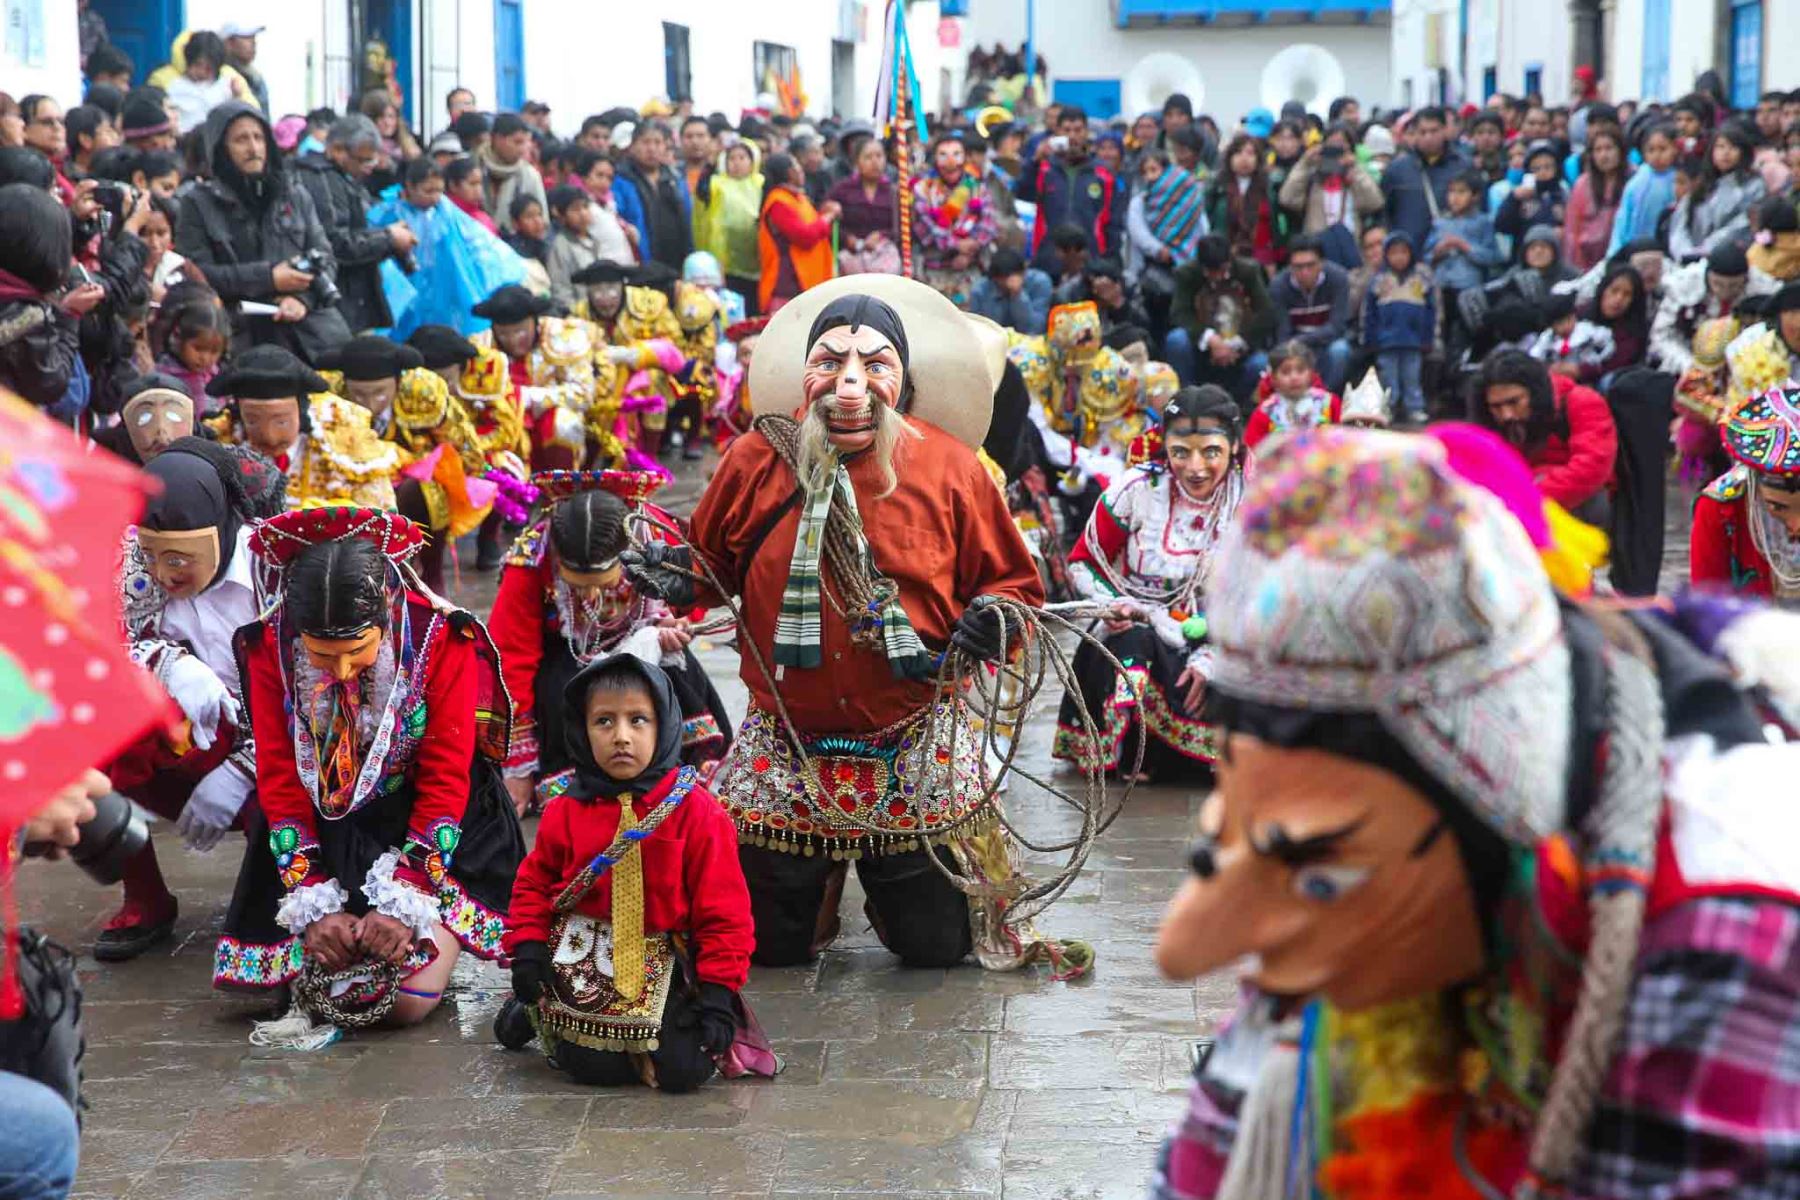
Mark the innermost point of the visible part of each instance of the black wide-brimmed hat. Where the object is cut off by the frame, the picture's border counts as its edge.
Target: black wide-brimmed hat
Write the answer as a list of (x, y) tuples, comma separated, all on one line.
[(369, 357), (266, 373), (512, 304), (441, 346), (604, 270)]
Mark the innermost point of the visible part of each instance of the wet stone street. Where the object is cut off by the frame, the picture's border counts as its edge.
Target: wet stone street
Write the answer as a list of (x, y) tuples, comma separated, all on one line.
[(897, 1083)]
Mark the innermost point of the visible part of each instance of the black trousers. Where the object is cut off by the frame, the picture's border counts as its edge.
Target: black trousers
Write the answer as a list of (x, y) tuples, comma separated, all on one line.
[(918, 914), (682, 1064)]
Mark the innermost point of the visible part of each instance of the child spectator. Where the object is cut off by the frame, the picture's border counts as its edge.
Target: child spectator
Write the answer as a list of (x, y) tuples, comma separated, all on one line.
[(462, 184), (1461, 250), (458, 262), (1296, 397), (1775, 250), (1571, 345), (195, 333), (1650, 190), (530, 237), (1539, 200), (1399, 323), (1716, 207), (162, 265), (572, 246), (595, 917)]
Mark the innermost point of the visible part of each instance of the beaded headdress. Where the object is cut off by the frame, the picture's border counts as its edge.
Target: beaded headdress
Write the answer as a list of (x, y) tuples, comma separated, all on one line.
[(1364, 575), (1763, 432), (281, 538)]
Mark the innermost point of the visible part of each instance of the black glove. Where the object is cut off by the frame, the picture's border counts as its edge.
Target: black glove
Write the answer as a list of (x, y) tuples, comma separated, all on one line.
[(718, 1018), (530, 971), (650, 569), (977, 631)]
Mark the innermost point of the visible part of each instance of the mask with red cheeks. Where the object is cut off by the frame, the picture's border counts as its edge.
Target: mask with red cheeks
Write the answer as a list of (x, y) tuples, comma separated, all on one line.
[(850, 374)]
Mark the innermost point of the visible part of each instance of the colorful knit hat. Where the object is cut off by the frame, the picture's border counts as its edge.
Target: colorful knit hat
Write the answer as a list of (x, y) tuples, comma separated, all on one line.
[(1365, 575), (1763, 433)]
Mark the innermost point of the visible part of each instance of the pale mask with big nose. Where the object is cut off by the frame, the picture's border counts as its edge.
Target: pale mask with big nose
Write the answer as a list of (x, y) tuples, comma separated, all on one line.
[(849, 373)]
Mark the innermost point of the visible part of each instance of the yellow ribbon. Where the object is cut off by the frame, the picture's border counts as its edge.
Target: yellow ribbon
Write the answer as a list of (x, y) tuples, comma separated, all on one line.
[(628, 910)]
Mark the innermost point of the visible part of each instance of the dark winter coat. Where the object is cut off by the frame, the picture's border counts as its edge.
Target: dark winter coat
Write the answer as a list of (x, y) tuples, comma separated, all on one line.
[(38, 350), (1066, 193), (238, 251), (343, 207)]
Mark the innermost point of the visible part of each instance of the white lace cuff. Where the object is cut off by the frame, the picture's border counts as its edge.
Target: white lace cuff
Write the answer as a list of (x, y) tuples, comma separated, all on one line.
[(304, 905), (412, 907)]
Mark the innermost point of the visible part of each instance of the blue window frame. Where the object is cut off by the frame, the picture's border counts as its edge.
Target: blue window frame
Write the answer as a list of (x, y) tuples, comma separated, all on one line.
[(1490, 82), (1534, 80), (509, 54), (1099, 98), (1656, 50), (1746, 52)]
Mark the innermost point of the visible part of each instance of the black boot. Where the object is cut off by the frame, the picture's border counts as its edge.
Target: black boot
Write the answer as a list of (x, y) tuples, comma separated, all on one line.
[(513, 1027)]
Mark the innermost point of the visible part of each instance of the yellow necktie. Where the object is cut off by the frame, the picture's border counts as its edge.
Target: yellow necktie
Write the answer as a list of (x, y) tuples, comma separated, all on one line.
[(628, 910)]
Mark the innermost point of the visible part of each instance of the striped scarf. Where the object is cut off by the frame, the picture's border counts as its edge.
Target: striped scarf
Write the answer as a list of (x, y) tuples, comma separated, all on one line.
[(876, 616), (1172, 206)]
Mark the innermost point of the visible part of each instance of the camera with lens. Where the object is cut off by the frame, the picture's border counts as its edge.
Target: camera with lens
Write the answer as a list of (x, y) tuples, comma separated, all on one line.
[(114, 836), (324, 288)]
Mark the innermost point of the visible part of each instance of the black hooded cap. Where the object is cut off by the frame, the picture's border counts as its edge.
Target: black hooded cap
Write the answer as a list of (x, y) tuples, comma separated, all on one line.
[(591, 782), (143, 117), (193, 496), (512, 304), (367, 357), (856, 311), (1785, 300), (267, 372), (256, 191), (441, 346)]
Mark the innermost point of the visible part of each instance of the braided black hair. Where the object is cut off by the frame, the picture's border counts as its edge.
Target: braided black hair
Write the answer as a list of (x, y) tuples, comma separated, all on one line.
[(337, 589), (588, 530)]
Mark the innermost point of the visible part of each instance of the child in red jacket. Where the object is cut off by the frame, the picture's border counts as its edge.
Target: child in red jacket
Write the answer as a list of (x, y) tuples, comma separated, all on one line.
[(630, 930)]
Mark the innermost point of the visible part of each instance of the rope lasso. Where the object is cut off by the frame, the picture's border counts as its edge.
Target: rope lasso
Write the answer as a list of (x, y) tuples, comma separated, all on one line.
[(983, 690)]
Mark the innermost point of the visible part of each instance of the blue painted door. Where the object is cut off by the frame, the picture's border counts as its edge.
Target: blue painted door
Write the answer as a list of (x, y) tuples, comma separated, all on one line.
[(1656, 50), (1746, 52), (1099, 98), (390, 22), (509, 55), (143, 29)]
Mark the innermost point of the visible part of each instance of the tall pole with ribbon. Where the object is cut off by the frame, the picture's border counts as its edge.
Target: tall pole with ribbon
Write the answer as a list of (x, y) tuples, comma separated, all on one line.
[(897, 111)]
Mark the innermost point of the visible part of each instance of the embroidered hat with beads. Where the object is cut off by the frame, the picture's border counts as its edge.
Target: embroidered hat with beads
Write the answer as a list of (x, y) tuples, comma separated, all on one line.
[(1364, 575)]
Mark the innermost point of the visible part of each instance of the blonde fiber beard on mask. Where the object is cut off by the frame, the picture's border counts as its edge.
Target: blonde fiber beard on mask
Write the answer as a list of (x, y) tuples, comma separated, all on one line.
[(815, 453)]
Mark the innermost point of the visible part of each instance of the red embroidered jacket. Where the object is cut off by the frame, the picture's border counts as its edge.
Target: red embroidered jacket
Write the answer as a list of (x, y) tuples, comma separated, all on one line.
[(693, 884), (441, 761), (1571, 470), (1720, 549)]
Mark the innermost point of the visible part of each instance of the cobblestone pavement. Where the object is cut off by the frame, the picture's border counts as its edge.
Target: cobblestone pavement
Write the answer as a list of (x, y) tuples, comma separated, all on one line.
[(897, 1083)]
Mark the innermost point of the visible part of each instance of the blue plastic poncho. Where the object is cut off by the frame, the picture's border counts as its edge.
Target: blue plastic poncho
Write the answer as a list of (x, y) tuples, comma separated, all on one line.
[(460, 264)]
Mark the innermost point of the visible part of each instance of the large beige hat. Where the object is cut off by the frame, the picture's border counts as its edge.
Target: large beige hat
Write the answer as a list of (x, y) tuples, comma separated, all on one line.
[(952, 369)]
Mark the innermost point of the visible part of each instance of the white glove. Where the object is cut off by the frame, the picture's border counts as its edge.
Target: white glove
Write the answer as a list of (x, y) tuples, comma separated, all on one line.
[(571, 429), (212, 807), (621, 354), (202, 695), (535, 399)]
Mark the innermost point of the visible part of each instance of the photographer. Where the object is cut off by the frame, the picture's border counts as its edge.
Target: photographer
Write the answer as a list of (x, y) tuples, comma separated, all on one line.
[(39, 1139), (107, 218), (1333, 195), (39, 346), (257, 237), (337, 180)]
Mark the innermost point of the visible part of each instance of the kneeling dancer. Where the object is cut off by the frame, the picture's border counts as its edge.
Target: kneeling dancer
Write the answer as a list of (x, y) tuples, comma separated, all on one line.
[(861, 536), (1146, 552), (381, 722), (1522, 904), (630, 924)]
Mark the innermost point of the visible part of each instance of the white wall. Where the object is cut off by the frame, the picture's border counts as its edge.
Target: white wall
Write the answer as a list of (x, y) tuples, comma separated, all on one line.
[(1781, 36), (458, 41), (582, 58), (1536, 33), (1080, 41), (1692, 24), (1625, 51), (57, 71), (303, 52), (1426, 34)]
